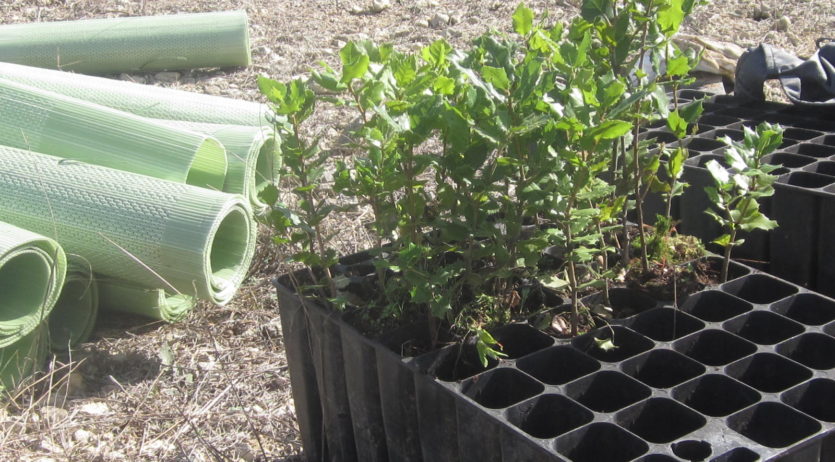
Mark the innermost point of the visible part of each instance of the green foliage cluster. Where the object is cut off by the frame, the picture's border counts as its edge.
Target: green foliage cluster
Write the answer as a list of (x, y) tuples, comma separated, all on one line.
[(738, 188), (476, 161)]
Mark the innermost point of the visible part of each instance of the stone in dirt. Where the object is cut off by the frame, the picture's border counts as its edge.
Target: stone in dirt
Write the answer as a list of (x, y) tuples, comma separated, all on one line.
[(167, 77), (439, 20)]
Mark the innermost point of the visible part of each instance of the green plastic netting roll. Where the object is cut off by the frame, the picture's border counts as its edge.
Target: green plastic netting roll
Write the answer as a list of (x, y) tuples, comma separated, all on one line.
[(124, 297), (23, 358), (32, 271), (144, 43), (143, 100), (74, 315), (51, 123), (251, 154), (154, 233)]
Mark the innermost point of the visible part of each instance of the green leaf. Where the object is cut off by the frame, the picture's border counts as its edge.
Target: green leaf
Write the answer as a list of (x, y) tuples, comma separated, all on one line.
[(444, 85), (605, 344), (523, 20), (678, 66), (496, 76), (723, 240), (354, 62), (718, 172), (269, 194), (675, 166), (592, 10), (272, 89), (677, 124), (436, 53), (553, 282), (670, 16), (610, 130)]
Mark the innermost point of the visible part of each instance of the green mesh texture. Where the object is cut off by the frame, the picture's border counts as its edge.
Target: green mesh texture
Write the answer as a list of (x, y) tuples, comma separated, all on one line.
[(74, 315), (149, 43), (22, 358), (155, 233), (125, 297), (32, 272), (251, 155), (51, 123), (143, 100)]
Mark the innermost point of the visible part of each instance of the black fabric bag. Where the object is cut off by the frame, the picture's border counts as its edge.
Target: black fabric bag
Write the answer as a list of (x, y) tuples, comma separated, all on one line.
[(810, 81)]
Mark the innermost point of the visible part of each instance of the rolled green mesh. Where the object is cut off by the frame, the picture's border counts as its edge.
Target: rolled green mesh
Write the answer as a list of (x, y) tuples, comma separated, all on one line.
[(143, 100), (144, 43), (74, 315), (155, 233), (251, 154), (43, 121), (125, 297), (32, 271), (22, 358)]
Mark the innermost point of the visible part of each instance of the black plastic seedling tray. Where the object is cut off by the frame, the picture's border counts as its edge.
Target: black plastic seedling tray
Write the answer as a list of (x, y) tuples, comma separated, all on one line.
[(802, 248), (744, 371)]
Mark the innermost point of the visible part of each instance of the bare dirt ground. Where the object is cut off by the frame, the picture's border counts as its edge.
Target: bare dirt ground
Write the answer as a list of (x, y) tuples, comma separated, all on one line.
[(216, 386)]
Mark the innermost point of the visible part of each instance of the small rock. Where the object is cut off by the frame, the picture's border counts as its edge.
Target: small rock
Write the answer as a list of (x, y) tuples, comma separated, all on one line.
[(212, 90), (82, 436), (439, 20), (422, 22), (770, 36), (167, 77), (782, 24), (760, 13), (262, 50), (132, 78), (455, 19), (95, 408), (49, 446), (377, 6), (53, 414)]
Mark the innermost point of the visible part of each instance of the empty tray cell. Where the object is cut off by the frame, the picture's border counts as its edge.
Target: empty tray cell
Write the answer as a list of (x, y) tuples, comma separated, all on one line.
[(800, 134), (660, 420), (768, 372), (714, 347), (737, 455), (717, 120), (627, 343), (548, 416), (764, 327), (458, 363), (813, 350), (747, 112), (692, 450), (518, 340), (773, 425), (716, 395), (807, 180), (660, 136), (759, 288), (626, 302), (788, 160), (704, 145), (810, 309), (501, 388), (665, 324), (558, 365), (600, 441), (828, 140), (816, 398), (826, 167), (607, 391), (736, 135), (714, 306), (735, 270), (658, 458), (662, 368), (814, 150), (830, 329)]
